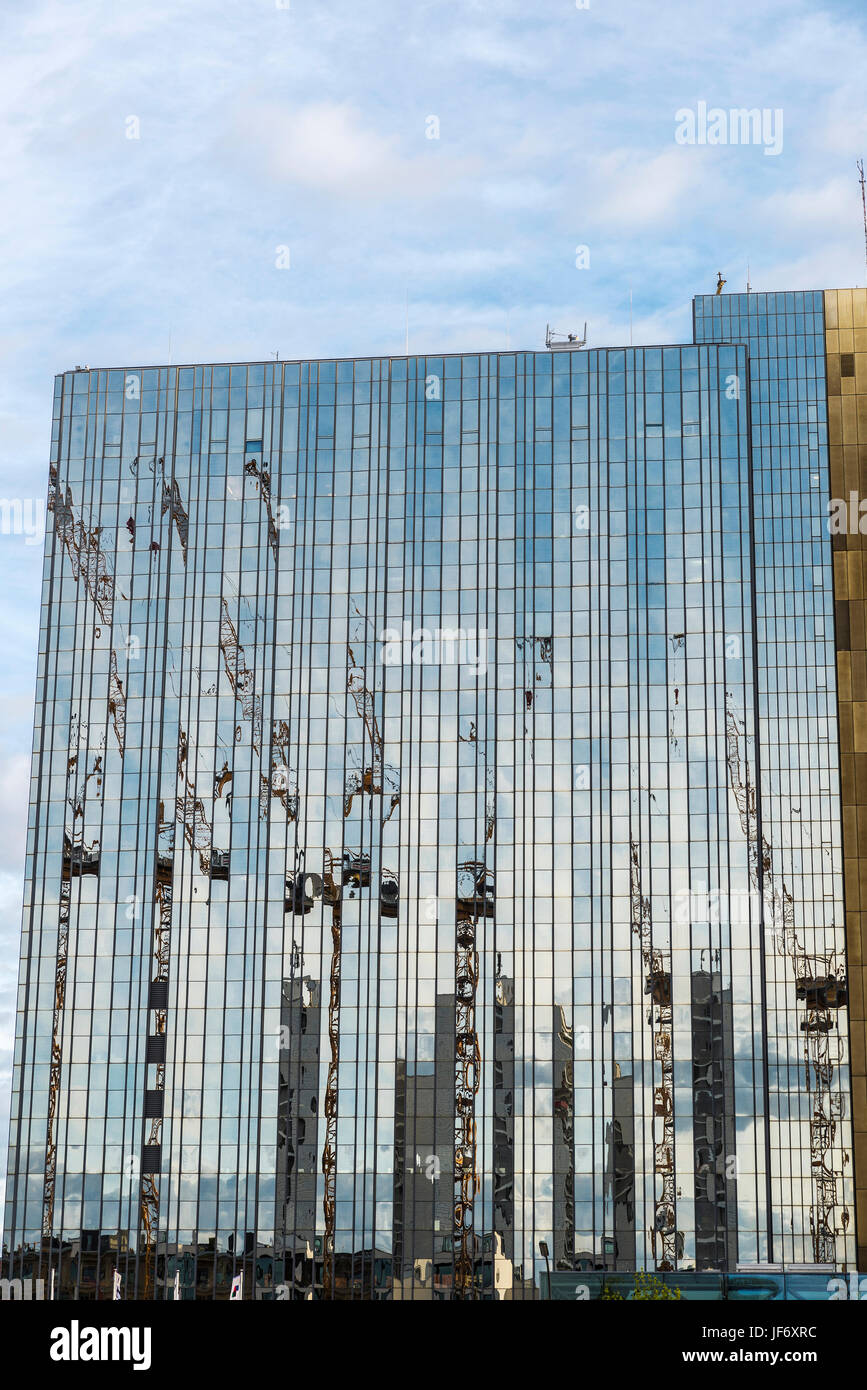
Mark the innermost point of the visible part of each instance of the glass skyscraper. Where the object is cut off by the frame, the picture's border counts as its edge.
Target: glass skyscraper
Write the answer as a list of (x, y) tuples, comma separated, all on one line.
[(438, 838)]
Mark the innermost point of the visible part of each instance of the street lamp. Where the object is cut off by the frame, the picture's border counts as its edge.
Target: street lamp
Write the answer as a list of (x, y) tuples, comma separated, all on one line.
[(544, 1252)]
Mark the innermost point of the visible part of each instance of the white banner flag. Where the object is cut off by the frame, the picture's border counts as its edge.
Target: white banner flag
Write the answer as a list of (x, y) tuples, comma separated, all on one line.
[(237, 1287), (177, 1285), (51, 1285), (116, 1295)]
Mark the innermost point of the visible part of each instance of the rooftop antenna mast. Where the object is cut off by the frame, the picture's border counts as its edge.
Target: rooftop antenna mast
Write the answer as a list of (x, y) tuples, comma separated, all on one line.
[(563, 342), (860, 167)]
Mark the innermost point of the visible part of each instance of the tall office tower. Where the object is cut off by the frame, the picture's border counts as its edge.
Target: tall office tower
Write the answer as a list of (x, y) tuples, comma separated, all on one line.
[(404, 679), (424, 1160), (297, 1164), (620, 1173), (716, 1244), (503, 1118), (563, 1038)]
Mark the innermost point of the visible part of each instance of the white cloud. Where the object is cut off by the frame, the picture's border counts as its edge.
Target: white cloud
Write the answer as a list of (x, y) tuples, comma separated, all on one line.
[(811, 210), (14, 796), (635, 189), (519, 57), (481, 261), (330, 148), (518, 193)]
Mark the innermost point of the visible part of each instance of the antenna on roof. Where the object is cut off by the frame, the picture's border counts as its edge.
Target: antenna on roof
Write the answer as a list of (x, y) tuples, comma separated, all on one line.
[(564, 342), (860, 167)]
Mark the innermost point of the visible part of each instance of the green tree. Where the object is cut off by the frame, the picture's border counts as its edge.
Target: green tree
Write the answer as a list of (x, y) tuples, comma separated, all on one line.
[(647, 1287)]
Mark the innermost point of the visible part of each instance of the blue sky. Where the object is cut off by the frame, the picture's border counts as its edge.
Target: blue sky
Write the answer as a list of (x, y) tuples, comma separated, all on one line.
[(306, 124)]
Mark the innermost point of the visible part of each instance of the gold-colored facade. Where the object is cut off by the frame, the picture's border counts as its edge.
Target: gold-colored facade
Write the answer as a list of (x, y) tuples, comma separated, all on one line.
[(846, 346)]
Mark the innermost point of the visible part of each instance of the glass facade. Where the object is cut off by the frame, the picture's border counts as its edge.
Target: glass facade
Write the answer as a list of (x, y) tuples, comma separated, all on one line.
[(413, 905), (798, 757)]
